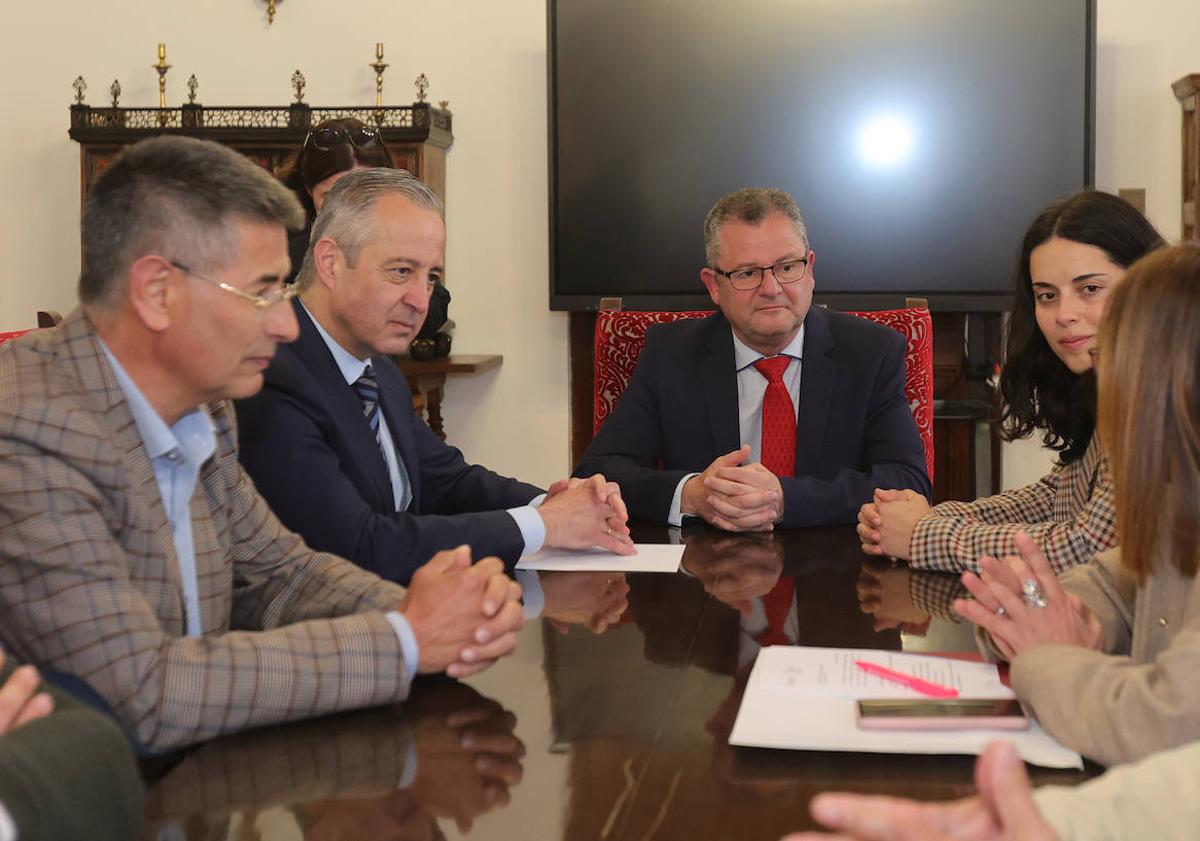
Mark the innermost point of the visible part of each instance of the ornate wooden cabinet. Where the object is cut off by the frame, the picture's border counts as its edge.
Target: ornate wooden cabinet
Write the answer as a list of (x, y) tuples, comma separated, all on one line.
[(417, 135)]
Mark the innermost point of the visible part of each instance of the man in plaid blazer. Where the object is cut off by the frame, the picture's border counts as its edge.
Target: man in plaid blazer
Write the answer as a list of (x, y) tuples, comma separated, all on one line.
[(136, 557)]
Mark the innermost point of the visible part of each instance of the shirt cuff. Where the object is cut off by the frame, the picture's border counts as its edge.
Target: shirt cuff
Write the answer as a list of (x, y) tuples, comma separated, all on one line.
[(409, 772), (408, 641), (674, 516), (531, 525), (532, 595), (8, 829)]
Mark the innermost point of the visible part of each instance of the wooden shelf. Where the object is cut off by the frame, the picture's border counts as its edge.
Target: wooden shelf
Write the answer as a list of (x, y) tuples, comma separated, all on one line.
[(428, 380), (455, 363)]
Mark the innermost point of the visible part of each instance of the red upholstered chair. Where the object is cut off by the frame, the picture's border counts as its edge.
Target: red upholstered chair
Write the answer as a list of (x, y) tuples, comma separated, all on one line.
[(4, 337), (620, 337)]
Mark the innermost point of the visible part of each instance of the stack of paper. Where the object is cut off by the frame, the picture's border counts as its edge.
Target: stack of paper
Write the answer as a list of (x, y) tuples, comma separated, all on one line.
[(803, 699)]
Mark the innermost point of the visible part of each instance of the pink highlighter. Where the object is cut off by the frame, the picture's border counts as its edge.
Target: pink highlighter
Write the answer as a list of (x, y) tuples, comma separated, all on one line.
[(925, 687)]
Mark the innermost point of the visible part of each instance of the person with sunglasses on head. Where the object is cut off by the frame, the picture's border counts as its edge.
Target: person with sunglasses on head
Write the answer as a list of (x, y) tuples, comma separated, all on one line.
[(330, 151), (771, 412), (1073, 257)]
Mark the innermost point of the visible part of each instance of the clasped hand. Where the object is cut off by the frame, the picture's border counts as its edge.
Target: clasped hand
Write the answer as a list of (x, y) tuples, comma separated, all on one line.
[(886, 523), (733, 495), (465, 616), (582, 513), (1015, 626)]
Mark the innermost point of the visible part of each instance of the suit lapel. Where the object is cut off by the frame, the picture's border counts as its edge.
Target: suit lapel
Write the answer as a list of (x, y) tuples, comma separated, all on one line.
[(817, 378), (79, 348), (720, 386), (345, 410)]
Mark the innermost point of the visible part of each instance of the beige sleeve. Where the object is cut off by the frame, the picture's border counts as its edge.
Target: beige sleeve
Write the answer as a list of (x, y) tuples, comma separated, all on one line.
[(1158, 797), (1108, 707)]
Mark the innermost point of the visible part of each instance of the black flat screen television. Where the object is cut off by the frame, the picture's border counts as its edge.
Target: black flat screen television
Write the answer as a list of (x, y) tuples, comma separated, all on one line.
[(919, 137)]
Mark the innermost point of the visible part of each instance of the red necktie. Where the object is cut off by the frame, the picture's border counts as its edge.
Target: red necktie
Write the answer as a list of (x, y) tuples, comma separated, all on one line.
[(778, 419), (777, 604)]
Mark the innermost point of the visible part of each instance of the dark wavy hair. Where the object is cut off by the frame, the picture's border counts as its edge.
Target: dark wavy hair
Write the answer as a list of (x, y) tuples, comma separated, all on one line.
[(310, 165), (1037, 390)]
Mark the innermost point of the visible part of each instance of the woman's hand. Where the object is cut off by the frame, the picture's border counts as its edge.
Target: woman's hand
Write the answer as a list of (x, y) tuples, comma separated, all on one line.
[(1017, 622)]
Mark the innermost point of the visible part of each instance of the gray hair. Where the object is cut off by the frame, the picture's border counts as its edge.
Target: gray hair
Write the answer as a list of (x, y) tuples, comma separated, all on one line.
[(346, 217), (177, 197), (751, 205)]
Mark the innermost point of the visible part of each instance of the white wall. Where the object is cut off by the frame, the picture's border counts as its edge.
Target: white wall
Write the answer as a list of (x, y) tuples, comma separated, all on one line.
[(488, 58)]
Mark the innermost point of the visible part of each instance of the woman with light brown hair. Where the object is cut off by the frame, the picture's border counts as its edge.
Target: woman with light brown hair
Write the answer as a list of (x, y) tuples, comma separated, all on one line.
[(1107, 656)]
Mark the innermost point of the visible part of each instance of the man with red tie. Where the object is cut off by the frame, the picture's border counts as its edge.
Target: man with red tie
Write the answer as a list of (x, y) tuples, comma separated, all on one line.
[(771, 412)]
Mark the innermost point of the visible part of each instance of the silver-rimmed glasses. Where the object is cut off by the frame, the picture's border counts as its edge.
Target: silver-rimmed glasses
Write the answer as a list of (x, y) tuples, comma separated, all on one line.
[(280, 293)]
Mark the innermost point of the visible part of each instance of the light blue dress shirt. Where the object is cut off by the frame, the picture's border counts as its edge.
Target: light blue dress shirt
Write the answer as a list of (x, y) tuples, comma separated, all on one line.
[(752, 387), (529, 522), (176, 454)]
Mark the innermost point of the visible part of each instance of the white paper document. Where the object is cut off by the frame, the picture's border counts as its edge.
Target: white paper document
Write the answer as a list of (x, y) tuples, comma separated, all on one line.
[(651, 557), (832, 673), (803, 699)]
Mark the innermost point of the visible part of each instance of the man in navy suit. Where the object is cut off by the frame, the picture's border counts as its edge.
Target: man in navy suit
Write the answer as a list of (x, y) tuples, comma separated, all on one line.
[(687, 437), (332, 441)]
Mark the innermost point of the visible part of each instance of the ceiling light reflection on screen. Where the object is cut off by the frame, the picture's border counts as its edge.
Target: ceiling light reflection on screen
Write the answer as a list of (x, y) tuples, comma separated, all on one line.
[(885, 140)]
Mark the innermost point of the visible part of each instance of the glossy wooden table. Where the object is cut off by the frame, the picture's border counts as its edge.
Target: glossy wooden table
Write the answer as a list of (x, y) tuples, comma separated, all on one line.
[(612, 736)]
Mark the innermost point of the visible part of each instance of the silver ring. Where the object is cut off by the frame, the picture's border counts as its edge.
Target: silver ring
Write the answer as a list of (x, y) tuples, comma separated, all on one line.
[(1001, 612), (1034, 596)]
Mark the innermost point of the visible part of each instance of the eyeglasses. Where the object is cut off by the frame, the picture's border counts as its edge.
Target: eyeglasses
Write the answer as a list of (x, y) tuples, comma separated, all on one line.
[(789, 271), (330, 137), (280, 293)]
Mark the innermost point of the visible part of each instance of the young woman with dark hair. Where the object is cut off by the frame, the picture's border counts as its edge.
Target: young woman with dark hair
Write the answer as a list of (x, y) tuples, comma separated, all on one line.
[(1072, 258), (1108, 656)]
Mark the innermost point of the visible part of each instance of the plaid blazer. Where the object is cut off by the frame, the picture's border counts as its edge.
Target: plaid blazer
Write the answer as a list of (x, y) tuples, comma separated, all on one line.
[(90, 585), (1070, 512)]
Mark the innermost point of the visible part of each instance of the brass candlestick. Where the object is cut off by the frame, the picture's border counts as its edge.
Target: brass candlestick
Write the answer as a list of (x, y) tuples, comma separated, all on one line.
[(80, 87), (162, 67), (422, 85), (378, 66)]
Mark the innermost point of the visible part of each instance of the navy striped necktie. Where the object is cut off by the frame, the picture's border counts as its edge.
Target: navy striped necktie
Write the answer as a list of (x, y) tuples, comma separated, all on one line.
[(367, 389)]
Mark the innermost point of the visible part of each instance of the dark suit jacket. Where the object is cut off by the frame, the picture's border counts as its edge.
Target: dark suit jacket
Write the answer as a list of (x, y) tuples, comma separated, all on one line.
[(69, 775), (855, 432), (306, 444)]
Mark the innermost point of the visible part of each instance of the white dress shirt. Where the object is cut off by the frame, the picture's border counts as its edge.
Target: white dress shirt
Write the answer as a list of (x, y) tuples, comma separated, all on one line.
[(752, 386)]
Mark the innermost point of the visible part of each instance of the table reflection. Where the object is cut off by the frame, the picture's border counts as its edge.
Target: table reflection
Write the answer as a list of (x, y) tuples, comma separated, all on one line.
[(594, 600), (391, 773), (899, 597), (626, 689)]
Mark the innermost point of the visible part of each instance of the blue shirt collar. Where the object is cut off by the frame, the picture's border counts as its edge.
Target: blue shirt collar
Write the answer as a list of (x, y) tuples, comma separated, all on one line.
[(745, 356), (193, 436), (350, 365)]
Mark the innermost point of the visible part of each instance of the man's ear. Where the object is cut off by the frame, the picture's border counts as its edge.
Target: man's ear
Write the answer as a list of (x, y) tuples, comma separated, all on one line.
[(710, 283), (151, 292), (327, 259)]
